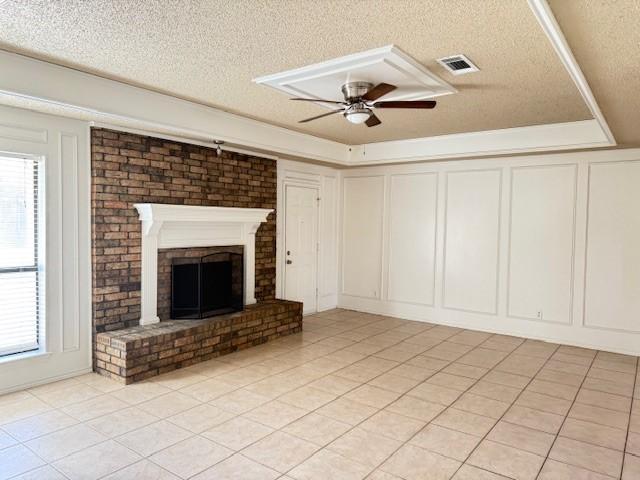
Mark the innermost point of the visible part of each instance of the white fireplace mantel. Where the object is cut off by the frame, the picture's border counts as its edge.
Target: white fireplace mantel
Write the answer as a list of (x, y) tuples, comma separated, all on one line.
[(183, 226)]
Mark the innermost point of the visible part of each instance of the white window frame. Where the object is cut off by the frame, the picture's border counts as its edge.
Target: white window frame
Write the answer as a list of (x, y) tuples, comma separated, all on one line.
[(40, 240)]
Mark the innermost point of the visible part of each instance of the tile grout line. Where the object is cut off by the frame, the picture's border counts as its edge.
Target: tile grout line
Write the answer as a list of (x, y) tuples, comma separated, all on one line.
[(377, 409), (633, 401), (371, 355), (505, 412), (471, 386), (567, 415), (366, 383), (403, 443), (446, 406)]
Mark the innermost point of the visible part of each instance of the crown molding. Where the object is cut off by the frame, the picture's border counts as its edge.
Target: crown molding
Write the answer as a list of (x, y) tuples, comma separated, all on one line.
[(546, 19), (48, 88), (100, 101), (537, 138)]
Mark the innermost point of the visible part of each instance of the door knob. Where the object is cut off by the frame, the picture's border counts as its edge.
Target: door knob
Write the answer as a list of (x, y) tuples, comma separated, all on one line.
[(289, 262)]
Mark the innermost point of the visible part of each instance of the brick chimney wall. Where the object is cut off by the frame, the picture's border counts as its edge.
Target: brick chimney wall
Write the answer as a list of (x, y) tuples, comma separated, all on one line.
[(127, 169)]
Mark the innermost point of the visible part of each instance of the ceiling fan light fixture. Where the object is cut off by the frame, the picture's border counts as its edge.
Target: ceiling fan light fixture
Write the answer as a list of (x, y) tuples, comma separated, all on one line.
[(357, 114)]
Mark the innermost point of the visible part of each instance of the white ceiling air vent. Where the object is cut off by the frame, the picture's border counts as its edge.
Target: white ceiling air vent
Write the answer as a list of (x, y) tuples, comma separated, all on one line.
[(457, 64)]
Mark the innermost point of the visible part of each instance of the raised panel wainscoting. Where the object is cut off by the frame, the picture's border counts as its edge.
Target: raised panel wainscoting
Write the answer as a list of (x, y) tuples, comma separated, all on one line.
[(542, 246)]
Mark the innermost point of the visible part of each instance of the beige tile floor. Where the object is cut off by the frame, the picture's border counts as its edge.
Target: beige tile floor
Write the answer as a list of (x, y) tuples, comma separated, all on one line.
[(355, 396)]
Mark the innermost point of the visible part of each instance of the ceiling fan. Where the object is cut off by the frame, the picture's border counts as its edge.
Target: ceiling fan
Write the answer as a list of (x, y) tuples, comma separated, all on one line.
[(360, 101)]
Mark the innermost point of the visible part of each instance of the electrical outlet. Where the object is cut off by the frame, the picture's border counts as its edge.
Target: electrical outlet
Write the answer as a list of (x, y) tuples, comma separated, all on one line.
[(540, 314)]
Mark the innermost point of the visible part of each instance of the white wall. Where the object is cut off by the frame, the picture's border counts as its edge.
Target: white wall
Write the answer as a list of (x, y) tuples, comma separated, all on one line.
[(63, 146), (327, 181), (544, 246)]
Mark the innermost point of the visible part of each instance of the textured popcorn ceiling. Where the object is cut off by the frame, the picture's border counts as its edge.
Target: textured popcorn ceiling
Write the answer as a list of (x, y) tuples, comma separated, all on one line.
[(209, 51), (604, 36)]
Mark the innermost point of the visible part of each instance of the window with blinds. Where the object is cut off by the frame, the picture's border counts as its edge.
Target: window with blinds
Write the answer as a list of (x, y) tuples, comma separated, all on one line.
[(21, 301)]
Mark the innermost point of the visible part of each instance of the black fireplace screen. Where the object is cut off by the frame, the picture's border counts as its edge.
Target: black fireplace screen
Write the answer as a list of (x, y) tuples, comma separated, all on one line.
[(207, 286)]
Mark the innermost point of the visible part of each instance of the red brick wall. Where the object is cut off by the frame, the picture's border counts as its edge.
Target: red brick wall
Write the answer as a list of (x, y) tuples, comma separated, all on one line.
[(128, 169)]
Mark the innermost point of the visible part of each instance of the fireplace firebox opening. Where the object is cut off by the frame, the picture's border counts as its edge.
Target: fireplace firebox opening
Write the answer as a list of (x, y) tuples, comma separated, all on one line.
[(207, 286)]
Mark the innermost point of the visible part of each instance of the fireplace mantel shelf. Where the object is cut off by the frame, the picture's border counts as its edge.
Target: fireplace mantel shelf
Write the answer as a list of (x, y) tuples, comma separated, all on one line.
[(153, 214), (183, 226)]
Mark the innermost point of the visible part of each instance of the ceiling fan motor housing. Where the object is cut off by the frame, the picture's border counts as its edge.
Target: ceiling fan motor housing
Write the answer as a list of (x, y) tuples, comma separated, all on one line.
[(353, 91)]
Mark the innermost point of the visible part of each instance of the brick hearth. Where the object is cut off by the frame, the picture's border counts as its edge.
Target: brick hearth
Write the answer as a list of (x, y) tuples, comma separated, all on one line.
[(132, 354)]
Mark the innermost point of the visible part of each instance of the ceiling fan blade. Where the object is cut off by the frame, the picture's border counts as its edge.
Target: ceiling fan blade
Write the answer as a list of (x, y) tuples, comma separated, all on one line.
[(372, 121), (316, 100), (400, 104), (320, 116), (378, 91)]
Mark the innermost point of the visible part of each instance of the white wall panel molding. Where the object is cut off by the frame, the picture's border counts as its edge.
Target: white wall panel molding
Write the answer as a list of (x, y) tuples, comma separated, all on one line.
[(363, 220), (541, 248), (612, 257), (471, 254), (413, 205), (328, 248), (19, 132), (63, 144), (68, 144), (556, 194)]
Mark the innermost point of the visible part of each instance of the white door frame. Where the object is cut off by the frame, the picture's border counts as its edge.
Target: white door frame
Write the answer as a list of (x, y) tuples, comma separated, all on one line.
[(326, 181), (281, 242)]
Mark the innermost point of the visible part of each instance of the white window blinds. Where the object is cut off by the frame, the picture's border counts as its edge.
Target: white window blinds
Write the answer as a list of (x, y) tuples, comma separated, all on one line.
[(21, 305)]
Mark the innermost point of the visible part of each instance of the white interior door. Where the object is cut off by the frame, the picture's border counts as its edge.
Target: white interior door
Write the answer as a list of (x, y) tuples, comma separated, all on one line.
[(301, 246)]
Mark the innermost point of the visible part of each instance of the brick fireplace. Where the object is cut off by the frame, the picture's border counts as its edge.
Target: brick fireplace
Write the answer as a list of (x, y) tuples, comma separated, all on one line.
[(130, 169)]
